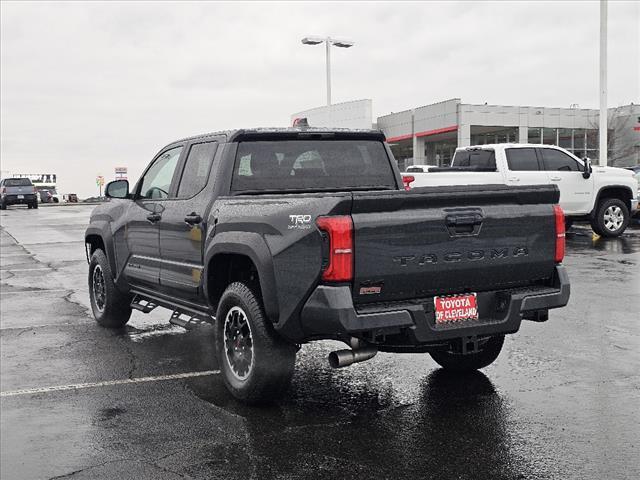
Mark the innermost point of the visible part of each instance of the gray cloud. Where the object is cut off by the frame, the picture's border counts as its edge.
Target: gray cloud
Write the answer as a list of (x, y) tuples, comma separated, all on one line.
[(89, 86)]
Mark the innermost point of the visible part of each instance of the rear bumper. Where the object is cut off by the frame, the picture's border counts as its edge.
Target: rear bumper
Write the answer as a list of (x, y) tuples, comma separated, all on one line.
[(330, 313), (14, 200)]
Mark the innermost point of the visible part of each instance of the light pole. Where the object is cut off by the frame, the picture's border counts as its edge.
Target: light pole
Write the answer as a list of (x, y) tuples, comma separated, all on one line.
[(328, 41), (603, 84)]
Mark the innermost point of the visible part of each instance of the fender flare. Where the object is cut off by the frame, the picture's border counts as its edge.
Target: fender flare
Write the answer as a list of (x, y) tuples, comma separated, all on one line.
[(102, 229), (253, 246)]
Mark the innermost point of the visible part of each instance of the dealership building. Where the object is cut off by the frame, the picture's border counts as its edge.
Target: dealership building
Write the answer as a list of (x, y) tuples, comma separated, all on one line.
[(430, 134)]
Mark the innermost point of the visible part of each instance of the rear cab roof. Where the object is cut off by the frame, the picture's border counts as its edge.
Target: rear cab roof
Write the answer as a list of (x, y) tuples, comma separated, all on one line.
[(288, 133)]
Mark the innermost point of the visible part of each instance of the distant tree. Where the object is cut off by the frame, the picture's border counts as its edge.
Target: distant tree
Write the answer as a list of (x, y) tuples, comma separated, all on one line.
[(622, 143)]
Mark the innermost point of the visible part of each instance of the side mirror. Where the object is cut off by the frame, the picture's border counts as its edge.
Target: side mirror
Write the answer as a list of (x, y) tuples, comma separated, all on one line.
[(117, 189), (586, 172)]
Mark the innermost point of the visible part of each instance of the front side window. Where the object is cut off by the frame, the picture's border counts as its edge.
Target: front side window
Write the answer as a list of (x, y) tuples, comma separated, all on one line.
[(196, 169), (556, 160), (522, 159), (157, 181)]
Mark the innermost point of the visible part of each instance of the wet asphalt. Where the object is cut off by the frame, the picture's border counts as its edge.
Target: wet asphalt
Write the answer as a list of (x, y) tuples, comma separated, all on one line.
[(562, 401)]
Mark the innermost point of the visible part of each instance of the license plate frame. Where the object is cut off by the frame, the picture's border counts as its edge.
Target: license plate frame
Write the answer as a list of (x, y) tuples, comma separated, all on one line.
[(451, 309)]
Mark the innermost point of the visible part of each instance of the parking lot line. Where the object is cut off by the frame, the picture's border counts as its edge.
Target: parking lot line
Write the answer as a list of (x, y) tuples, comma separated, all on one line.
[(40, 290), (25, 269), (78, 386)]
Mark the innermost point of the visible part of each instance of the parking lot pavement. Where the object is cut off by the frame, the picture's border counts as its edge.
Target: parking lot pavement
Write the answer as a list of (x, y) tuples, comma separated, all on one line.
[(80, 401)]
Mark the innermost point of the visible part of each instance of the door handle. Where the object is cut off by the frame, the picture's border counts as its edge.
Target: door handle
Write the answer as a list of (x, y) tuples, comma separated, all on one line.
[(514, 179), (193, 218), (154, 217), (555, 179)]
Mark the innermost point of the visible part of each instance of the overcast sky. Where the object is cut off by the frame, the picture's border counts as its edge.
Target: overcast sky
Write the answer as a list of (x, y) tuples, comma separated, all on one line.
[(90, 86)]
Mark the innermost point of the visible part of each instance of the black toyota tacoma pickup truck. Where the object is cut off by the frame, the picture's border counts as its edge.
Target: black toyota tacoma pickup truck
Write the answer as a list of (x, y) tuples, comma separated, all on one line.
[(285, 236)]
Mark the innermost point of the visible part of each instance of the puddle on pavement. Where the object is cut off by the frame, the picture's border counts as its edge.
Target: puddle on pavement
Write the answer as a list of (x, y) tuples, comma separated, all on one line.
[(582, 240)]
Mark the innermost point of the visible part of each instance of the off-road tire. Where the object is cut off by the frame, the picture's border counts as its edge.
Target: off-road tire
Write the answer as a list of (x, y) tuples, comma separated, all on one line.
[(116, 305), (607, 207), (472, 361), (273, 358), (34, 205)]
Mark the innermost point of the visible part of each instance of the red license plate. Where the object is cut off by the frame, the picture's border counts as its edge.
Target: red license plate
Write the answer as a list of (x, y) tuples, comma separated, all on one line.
[(456, 308)]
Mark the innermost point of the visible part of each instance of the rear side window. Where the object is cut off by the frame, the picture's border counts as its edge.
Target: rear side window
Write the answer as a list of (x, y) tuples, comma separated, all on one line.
[(17, 182), (311, 165), (556, 160), (522, 159), (484, 159), (196, 169)]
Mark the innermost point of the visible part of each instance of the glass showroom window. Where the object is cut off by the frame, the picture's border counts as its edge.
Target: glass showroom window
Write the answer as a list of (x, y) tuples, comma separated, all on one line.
[(565, 138), (579, 141), (534, 135), (482, 135), (549, 136), (592, 144)]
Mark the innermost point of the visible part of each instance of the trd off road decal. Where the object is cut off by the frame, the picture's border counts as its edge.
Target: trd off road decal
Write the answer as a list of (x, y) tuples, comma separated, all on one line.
[(300, 222)]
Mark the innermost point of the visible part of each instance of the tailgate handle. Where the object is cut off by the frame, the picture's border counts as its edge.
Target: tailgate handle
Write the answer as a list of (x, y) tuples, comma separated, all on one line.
[(465, 219), (464, 224)]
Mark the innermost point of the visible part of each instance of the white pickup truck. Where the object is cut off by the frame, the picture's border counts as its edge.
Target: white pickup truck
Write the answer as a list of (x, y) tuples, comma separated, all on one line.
[(605, 196)]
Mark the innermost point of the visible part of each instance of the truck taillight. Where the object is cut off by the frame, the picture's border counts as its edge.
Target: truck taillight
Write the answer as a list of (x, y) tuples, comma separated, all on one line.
[(408, 180), (560, 233), (339, 230)]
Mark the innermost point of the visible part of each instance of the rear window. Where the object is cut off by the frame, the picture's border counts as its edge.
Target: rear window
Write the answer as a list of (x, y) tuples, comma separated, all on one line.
[(308, 165), (17, 182), (484, 159)]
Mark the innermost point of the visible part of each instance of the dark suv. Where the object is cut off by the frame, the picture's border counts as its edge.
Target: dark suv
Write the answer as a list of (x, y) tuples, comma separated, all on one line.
[(287, 236), (18, 191)]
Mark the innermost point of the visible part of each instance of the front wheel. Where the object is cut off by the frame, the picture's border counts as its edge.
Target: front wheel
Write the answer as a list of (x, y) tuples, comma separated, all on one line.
[(487, 354), (611, 218), (111, 308), (256, 364)]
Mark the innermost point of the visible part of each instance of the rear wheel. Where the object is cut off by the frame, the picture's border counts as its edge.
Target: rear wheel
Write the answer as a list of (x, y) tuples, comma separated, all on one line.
[(111, 307), (256, 364), (34, 205), (3, 206), (487, 354), (611, 218)]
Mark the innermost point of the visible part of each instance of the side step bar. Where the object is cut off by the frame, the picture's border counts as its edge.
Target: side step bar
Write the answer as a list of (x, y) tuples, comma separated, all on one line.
[(142, 304), (188, 320), (184, 317)]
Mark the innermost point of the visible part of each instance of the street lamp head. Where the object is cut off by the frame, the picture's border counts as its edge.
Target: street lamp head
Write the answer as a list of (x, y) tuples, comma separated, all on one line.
[(313, 40), (342, 43)]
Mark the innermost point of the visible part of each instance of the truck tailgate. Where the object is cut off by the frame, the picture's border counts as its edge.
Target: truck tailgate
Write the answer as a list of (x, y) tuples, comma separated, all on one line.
[(446, 240)]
